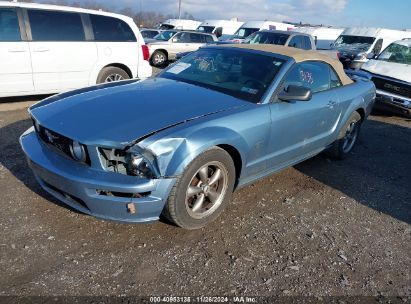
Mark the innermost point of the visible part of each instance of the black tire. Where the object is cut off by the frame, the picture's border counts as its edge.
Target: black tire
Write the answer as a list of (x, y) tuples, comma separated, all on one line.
[(180, 206), (159, 59), (110, 74), (347, 138)]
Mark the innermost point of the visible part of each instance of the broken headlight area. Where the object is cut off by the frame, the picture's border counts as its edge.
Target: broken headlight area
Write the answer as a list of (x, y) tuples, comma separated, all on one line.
[(133, 162)]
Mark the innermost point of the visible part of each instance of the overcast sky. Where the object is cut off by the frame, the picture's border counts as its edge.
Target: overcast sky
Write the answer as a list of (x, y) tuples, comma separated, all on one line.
[(376, 13)]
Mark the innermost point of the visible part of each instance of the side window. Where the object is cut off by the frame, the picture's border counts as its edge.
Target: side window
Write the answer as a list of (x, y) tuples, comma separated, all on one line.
[(196, 38), (183, 37), (209, 39), (9, 25), (335, 81), (307, 43), (377, 47), (111, 29), (312, 75), (296, 42), (55, 26)]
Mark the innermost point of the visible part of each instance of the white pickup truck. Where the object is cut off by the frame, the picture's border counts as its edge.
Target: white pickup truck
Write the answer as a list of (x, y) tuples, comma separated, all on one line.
[(391, 74)]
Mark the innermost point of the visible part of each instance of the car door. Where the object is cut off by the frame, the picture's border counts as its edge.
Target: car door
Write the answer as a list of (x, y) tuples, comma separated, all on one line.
[(302, 128), (62, 58), (116, 43), (15, 64), (185, 42)]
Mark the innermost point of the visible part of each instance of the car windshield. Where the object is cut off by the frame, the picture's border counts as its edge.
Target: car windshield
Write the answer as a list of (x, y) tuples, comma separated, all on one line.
[(165, 36), (206, 29), (397, 52), (239, 73), (244, 32), (267, 38), (359, 43)]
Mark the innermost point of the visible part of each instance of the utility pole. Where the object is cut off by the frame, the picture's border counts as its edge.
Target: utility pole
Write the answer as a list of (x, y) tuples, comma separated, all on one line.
[(179, 9)]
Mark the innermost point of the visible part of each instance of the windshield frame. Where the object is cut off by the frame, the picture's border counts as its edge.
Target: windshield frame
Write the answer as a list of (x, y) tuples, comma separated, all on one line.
[(349, 45), (271, 87), (206, 27), (286, 35), (235, 35), (388, 49)]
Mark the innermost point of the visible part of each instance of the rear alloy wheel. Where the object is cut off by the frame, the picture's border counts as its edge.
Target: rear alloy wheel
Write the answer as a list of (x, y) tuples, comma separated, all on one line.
[(159, 59), (347, 138), (112, 74), (201, 193)]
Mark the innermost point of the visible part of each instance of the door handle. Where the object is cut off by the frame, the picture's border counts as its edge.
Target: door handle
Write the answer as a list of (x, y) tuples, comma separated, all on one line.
[(17, 50), (41, 49), (331, 103)]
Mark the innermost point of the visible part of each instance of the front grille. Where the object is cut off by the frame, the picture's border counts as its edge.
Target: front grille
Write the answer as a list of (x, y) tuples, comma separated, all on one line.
[(58, 141), (392, 86)]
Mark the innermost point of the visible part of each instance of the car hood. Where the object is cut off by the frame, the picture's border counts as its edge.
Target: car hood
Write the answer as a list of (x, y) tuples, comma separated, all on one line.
[(119, 115), (390, 69)]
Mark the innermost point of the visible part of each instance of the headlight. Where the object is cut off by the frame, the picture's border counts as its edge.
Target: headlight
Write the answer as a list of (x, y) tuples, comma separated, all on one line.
[(138, 165), (78, 152), (361, 56)]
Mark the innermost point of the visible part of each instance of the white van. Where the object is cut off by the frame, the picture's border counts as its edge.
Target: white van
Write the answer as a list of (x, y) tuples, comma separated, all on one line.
[(251, 27), (179, 24), (223, 29), (356, 45), (324, 36), (48, 49)]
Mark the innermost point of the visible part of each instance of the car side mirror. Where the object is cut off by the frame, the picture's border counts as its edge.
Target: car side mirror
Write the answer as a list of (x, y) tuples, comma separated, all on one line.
[(371, 56), (293, 92), (174, 40)]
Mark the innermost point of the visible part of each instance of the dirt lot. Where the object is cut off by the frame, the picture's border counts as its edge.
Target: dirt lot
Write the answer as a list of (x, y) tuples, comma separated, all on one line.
[(322, 228)]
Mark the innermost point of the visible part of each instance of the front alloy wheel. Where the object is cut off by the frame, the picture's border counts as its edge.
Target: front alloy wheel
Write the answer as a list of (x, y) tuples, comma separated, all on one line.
[(207, 189), (203, 190)]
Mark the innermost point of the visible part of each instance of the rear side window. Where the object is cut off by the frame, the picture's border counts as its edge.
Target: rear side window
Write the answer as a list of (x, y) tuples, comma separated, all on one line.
[(312, 75), (296, 42), (111, 29), (209, 39), (197, 38), (307, 43), (9, 25), (335, 81), (55, 26)]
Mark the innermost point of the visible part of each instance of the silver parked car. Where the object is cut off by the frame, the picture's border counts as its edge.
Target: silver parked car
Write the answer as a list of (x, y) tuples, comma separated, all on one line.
[(169, 43)]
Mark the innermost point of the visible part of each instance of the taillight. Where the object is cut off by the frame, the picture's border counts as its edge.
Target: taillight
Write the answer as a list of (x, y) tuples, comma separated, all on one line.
[(146, 52)]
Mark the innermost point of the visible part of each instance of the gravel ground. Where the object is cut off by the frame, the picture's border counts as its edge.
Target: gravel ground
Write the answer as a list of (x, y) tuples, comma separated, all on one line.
[(321, 228)]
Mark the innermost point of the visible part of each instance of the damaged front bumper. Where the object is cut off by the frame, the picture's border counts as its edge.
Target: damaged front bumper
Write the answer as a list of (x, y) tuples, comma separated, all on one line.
[(102, 194), (394, 102)]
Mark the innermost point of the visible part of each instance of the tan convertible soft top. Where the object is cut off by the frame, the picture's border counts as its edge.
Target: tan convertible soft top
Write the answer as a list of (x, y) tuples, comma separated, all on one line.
[(298, 55)]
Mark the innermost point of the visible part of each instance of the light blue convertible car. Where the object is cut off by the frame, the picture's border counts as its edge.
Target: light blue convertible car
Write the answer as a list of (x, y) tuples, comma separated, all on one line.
[(179, 144)]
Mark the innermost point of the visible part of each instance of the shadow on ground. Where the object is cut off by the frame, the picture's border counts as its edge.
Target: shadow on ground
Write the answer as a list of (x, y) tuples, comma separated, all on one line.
[(377, 173), (23, 98)]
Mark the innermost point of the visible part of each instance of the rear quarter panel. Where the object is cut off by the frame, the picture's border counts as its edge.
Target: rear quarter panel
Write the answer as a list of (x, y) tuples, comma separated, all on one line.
[(358, 96)]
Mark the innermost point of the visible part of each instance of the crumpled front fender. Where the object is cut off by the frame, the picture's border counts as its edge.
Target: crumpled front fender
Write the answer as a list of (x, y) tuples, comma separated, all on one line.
[(173, 154)]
